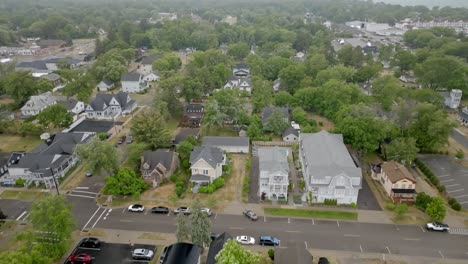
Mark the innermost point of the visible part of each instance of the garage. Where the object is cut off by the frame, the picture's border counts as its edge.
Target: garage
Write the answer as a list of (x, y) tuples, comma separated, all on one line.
[(228, 144)]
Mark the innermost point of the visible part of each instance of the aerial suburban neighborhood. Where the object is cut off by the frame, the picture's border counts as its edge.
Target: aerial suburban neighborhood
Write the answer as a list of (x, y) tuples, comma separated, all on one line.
[(233, 132)]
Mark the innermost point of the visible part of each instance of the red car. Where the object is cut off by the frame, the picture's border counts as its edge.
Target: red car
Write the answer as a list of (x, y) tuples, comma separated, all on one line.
[(81, 258)]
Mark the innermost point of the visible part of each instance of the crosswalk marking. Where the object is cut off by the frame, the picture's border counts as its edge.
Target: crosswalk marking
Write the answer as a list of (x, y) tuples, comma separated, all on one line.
[(458, 231)]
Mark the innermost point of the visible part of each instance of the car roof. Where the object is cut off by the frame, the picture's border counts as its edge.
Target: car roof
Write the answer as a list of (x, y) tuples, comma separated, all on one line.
[(91, 239), (140, 250), (266, 237)]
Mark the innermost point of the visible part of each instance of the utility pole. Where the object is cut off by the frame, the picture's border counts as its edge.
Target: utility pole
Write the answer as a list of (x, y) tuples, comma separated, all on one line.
[(55, 181)]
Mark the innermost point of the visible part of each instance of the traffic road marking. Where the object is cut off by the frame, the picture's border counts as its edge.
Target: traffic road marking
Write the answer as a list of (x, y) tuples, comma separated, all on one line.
[(305, 242), (91, 218), (289, 220), (463, 202), (84, 192), (397, 227), (442, 255), (388, 249), (459, 190), (83, 188), (21, 215), (452, 185), (123, 210), (293, 231), (264, 218), (313, 223), (442, 176), (422, 229), (411, 239), (236, 228), (126, 221), (447, 180), (83, 196), (99, 218), (460, 196), (351, 235), (338, 223), (360, 247)]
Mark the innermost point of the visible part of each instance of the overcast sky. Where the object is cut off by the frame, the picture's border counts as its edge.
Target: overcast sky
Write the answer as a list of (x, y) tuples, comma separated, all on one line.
[(429, 3)]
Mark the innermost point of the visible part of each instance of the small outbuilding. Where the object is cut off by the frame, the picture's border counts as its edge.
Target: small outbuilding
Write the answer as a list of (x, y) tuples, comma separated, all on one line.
[(228, 144)]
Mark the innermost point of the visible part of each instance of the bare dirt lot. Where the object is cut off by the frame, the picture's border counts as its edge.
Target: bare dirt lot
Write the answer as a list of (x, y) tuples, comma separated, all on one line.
[(327, 124)]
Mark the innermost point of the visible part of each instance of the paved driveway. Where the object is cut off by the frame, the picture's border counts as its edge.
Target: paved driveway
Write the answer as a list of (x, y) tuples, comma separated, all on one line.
[(452, 174), (15, 209), (366, 199), (254, 174)]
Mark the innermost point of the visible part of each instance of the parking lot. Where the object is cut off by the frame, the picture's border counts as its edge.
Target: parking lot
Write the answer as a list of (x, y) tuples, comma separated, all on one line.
[(452, 174), (111, 253)]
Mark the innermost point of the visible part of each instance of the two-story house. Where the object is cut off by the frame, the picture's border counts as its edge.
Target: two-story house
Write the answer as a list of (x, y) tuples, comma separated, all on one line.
[(206, 164), (146, 65), (241, 70), (328, 168), (158, 165), (110, 106), (193, 115), (37, 103), (241, 83), (397, 181), (73, 106), (274, 173), (55, 81), (133, 83), (50, 161)]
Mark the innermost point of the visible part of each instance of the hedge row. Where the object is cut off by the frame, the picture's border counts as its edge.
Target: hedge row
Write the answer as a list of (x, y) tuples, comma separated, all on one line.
[(330, 202), (218, 183)]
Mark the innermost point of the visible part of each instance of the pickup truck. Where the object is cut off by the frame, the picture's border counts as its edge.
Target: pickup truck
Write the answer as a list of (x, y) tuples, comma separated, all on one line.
[(437, 226)]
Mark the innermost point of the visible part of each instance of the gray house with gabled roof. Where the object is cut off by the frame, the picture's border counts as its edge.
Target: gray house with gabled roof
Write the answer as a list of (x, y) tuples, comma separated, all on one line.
[(274, 173), (206, 164), (133, 82), (158, 165), (110, 106), (328, 168), (105, 85), (50, 160), (228, 144)]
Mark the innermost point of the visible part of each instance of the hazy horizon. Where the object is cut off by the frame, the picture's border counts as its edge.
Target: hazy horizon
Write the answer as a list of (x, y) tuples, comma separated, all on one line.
[(428, 3)]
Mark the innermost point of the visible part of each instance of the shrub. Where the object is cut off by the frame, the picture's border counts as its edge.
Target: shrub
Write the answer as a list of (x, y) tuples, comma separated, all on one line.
[(390, 206), (435, 181), (179, 191), (330, 202), (218, 183), (460, 154), (353, 205), (271, 254), (451, 200), (422, 200), (20, 182), (102, 136), (456, 206), (441, 188), (302, 184)]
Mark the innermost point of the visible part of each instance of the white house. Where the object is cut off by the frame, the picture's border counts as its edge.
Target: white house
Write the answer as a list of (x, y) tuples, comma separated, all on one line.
[(37, 103), (133, 83), (228, 144), (153, 76), (274, 173), (328, 168), (74, 107), (277, 85), (243, 84), (290, 135), (452, 98), (105, 85), (206, 164), (146, 65), (110, 106)]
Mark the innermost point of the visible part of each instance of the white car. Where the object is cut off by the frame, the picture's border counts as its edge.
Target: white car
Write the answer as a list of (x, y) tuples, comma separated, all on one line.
[(136, 208), (207, 211), (142, 253), (437, 226), (245, 240)]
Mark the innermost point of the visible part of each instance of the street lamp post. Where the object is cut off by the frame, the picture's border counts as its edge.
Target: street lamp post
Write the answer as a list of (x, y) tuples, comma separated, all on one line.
[(55, 181)]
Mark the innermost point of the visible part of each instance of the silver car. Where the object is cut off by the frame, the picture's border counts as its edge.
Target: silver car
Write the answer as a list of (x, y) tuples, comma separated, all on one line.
[(142, 253)]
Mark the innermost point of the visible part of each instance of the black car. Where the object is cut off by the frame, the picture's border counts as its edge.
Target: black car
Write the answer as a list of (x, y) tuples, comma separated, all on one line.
[(323, 260), (213, 236), (163, 255), (268, 241), (160, 210), (90, 242)]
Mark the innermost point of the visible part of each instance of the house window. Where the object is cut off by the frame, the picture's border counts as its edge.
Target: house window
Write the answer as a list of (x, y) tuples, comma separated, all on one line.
[(205, 172), (403, 186)]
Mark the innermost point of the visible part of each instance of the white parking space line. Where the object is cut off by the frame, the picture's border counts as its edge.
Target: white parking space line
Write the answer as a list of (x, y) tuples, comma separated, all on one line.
[(411, 239), (26, 217), (83, 196), (91, 218), (99, 218), (305, 242), (236, 228), (424, 231), (126, 221), (449, 180), (388, 249), (351, 235), (123, 210), (452, 185), (216, 215), (264, 218), (83, 188), (293, 231), (360, 247), (442, 255), (459, 190), (85, 192), (313, 223), (338, 223), (397, 227), (442, 176), (460, 196), (463, 202), (289, 220), (21, 215)]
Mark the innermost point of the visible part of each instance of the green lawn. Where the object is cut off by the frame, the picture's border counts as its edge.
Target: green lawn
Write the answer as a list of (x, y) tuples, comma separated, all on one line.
[(226, 131), (10, 143), (312, 213), (22, 195)]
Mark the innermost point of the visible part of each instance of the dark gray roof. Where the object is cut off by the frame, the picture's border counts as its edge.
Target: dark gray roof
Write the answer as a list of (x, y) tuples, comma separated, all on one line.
[(216, 246), (107, 82), (131, 77), (69, 104), (289, 131), (98, 103), (194, 108), (51, 76), (211, 155), (66, 59), (148, 60), (95, 126), (200, 178), (267, 111), (39, 65), (184, 133), (226, 141), (153, 158), (241, 66), (182, 253)]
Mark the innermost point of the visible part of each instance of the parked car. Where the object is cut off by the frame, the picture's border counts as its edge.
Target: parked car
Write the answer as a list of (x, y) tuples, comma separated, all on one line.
[(245, 240), (136, 208), (182, 209), (90, 242), (129, 140), (437, 226), (250, 214), (160, 210), (268, 241), (80, 258), (323, 260), (163, 255), (207, 211), (89, 174), (142, 253)]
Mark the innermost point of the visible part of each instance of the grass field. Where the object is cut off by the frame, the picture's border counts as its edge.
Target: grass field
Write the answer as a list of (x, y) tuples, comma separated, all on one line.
[(22, 195), (311, 213), (10, 143), (226, 131)]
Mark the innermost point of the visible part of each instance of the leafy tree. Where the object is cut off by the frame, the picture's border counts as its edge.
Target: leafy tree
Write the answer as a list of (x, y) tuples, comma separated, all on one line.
[(338, 72), (183, 231), (386, 89), (404, 59), (169, 62), (149, 127), (315, 63), (276, 123), (213, 114), (299, 115), (230, 104), (401, 210), (442, 72), (422, 200), (239, 50), (125, 182), (350, 56), (52, 221), (201, 226), (99, 155), (77, 83), (184, 149), (436, 209), (283, 98), (430, 127), (292, 76), (20, 85), (134, 152), (254, 131), (402, 149), (367, 72), (262, 95), (273, 65), (234, 253), (56, 115)]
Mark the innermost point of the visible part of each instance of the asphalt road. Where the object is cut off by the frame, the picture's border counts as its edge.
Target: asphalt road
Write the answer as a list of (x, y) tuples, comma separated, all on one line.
[(461, 139), (320, 234)]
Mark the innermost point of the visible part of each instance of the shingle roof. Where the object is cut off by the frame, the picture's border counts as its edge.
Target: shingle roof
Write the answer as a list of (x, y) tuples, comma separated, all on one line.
[(37, 102), (95, 126), (98, 102), (153, 158), (273, 159), (226, 141), (131, 77), (51, 76), (464, 113), (43, 43), (184, 133), (200, 178), (182, 253), (66, 59), (106, 82), (241, 66), (39, 65), (216, 246), (148, 60), (289, 131), (69, 104), (396, 171), (211, 155), (326, 155), (267, 111)]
